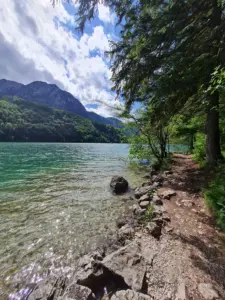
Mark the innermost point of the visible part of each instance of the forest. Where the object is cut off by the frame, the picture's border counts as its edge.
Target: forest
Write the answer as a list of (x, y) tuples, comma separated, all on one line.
[(26, 121)]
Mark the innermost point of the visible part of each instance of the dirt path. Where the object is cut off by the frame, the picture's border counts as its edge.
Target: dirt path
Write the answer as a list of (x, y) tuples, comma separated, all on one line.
[(189, 260)]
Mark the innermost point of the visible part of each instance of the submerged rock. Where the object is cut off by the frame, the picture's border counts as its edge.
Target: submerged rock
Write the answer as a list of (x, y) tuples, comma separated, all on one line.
[(118, 185), (130, 295), (50, 288), (121, 221)]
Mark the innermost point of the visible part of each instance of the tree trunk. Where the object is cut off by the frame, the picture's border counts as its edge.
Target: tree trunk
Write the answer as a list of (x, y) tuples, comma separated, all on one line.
[(213, 150)]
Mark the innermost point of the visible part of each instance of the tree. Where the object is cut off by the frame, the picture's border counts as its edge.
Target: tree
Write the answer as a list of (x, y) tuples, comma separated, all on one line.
[(166, 55), (164, 58), (149, 138)]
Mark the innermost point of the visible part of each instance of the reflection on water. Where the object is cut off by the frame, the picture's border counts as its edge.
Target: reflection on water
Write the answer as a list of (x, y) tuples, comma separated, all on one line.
[(54, 204)]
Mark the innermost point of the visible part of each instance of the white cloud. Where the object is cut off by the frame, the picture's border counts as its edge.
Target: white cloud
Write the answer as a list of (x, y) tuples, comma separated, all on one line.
[(37, 43), (105, 15)]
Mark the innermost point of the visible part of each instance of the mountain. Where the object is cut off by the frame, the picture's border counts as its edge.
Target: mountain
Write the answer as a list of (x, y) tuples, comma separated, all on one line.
[(26, 121), (51, 95)]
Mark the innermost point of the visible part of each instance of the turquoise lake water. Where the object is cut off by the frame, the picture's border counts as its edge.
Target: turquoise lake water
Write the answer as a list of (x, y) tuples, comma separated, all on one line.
[(55, 203)]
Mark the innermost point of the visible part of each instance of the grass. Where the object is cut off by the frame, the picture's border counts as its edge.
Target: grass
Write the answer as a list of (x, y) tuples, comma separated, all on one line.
[(215, 196), (148, 215)]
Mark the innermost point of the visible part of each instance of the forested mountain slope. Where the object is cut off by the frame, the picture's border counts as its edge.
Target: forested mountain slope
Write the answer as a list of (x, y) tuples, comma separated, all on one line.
[(52, 95), (22, 120)]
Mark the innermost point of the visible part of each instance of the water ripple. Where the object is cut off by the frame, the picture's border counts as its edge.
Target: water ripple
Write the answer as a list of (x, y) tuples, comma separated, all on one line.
[(54, 204)]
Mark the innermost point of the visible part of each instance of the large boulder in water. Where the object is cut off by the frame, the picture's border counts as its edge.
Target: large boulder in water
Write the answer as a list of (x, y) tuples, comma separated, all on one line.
[(118, 185)]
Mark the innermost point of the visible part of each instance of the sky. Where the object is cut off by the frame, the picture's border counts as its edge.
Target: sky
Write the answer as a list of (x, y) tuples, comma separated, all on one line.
[(39, 43)]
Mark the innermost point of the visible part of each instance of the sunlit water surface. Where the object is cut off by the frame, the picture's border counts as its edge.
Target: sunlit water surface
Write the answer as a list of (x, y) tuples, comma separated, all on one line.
[(55, 203)]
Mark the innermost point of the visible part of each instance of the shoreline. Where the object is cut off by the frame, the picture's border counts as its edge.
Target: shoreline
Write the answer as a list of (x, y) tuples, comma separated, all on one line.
[(152, 254)]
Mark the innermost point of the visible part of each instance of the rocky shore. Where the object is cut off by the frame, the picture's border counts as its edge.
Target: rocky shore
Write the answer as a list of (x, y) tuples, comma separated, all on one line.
[(146, 261)]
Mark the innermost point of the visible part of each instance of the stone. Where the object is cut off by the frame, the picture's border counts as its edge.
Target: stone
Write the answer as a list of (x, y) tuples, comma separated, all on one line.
[(77, 292), (134, 208), (145, 198), (159, 221), (166, 218), (144, 204), (128, 264), (178, 203), (121, 221), (187, 203), (169, 229), (158, 178), (130, 295), (181, 184), (181, 292), (166, 183), (166, 193), (125, 232), (168, 173), (88, 270), (154, 229), (138, 211), (139, 192), (157, 211), (50, 288), (156, 200), (207, 291), (118, 185), (156, 185)]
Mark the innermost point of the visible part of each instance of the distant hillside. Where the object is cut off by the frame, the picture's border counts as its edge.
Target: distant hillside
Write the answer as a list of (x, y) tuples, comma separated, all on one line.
[(22, 120), (51, 95)]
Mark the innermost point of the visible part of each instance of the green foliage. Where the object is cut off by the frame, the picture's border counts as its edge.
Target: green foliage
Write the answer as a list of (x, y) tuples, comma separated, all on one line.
[(149, 137), (22, 120), (184, 128), (148, 215), (199, 147), (139, 148), (215, 197), (154, 63)]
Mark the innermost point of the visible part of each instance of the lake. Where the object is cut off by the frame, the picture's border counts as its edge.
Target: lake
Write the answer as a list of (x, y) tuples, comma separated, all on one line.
[(55, 203)]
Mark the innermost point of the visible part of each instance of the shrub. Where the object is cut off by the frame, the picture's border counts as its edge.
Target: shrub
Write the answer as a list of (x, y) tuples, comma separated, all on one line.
[(215, 198), (199, 147)]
